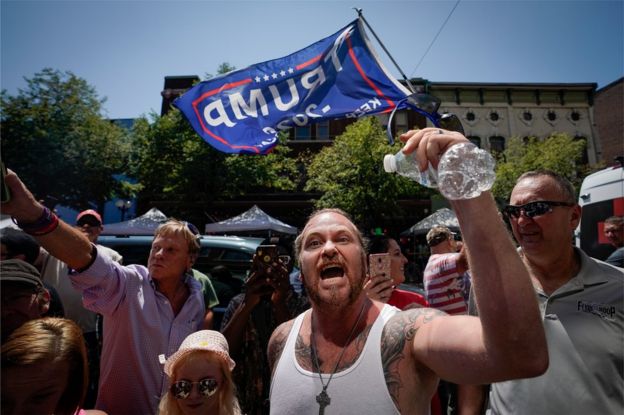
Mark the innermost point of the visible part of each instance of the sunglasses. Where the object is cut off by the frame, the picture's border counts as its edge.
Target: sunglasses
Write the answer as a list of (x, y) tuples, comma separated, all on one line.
[(532, 209), (428, 106), (90, 222), (206, 388)]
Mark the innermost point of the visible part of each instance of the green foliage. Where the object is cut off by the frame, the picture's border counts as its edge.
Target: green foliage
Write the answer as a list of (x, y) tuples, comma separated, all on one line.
[(54, 137), (558, 153), (173, 163), (350, 175), (247, 173)]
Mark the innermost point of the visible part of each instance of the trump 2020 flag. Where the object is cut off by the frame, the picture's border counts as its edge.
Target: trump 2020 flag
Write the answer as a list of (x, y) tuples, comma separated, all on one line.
[(339, 76)]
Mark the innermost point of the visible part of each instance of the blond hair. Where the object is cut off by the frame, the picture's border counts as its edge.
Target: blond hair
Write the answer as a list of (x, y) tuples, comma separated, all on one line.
[(174, 227), (51, 340), (228, 403)]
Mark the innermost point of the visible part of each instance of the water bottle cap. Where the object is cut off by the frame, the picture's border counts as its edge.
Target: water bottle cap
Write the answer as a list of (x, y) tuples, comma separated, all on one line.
[(389, 163)]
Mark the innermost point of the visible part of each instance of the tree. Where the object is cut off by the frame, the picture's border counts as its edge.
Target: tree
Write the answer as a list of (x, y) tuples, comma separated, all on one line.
[(174, 164), (558, 152), (350, 175), (54, 137)]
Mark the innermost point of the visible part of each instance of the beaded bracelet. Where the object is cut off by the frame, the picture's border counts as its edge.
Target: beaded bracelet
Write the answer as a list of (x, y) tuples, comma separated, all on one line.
[(47, 222)]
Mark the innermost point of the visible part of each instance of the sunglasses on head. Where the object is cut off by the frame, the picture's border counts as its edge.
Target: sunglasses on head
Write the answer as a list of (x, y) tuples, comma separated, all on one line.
[(532, 209), (428, 106), (206, 387)]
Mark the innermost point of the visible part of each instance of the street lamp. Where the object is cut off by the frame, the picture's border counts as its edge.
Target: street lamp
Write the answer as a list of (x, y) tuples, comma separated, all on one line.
[(123, 206)]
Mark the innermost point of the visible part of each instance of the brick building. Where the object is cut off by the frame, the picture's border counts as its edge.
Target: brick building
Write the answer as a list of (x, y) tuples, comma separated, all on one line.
[(609, 110)]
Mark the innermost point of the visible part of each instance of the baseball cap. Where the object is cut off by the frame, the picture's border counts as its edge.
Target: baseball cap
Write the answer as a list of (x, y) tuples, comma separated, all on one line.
[(89, 212), (438, 234), (208, 340), (17, 270)]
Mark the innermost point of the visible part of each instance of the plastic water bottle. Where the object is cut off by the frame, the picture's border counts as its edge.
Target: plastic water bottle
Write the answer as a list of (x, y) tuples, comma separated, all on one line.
[(464, 172), (406, 165)]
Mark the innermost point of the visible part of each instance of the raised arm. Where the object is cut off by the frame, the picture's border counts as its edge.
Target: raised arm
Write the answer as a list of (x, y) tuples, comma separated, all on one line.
[(64, 242), (508, 340)]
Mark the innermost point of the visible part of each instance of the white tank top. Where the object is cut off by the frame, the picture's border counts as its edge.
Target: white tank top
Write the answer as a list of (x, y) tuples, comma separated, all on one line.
[(359, 389)]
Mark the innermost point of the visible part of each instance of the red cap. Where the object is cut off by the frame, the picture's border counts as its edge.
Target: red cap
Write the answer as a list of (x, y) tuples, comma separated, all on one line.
[(89, 212)]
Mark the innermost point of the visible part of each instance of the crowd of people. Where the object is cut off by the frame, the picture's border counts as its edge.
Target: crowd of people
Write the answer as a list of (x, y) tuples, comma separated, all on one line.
[(534, 326)]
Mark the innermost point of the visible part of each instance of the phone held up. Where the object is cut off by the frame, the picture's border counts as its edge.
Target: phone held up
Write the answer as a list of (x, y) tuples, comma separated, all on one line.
[(379, 265), (265, 256), (6, 194)]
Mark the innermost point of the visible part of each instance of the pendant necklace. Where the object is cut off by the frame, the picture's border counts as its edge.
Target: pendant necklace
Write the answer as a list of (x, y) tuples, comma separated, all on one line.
[(323, 398)]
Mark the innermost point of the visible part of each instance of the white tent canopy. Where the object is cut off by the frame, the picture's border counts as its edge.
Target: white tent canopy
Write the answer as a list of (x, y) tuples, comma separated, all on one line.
[(253, 220), (445, 217), (145, 224)]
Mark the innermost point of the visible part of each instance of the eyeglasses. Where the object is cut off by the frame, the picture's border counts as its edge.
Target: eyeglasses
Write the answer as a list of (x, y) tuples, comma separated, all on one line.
[(206, 387), (428, 106), (532, 209), (90, 222)]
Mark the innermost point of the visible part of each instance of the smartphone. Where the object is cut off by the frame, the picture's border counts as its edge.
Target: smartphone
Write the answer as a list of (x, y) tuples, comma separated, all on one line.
[(379, 264), (265, 256), (6, 194)]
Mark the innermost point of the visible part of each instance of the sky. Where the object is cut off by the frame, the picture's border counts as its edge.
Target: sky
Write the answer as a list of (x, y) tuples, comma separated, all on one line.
[(125, 48)]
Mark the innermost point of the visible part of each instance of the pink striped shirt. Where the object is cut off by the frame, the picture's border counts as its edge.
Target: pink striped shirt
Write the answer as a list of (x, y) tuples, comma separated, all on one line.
[(139, 325), (443, 284)]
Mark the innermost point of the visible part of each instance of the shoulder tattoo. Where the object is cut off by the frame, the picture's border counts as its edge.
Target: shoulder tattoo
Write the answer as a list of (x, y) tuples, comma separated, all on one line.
[(397, 332), (277, 343)]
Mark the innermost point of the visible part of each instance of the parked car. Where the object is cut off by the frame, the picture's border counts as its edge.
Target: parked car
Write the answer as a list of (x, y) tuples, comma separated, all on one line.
[(601, 196), (232, 251)]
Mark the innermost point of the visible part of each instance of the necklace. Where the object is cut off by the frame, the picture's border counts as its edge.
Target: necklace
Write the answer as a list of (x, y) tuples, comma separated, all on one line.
[(323, 398)]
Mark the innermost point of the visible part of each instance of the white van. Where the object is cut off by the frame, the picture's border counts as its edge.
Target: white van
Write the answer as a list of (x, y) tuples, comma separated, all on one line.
[(601, 196)]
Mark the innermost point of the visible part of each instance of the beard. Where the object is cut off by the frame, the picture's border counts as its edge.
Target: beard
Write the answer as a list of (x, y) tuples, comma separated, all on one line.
[(334, 301)]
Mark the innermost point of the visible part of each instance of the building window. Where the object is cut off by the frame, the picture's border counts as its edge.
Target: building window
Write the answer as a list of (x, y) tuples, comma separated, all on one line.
[(303, 133), (476, 140), (494, 116), (470, 116), (552, 115), (497, 144), (400, 123), (322, 130), (575, 116), (527, 116)]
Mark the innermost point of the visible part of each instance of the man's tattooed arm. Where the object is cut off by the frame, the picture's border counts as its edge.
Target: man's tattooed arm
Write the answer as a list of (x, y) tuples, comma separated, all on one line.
[(400, 330), (277, 343)]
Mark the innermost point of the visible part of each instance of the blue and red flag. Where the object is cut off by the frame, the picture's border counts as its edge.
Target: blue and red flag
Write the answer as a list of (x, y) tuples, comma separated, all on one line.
[(339, 76)]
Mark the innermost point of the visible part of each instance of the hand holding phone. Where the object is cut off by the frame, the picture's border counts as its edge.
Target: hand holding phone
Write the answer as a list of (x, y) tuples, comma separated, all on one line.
[(379, 285), (379, 265)]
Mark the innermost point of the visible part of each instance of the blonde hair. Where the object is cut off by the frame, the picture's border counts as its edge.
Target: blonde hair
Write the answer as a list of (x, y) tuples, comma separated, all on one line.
[(176, 227), (228, 403), (51, 340)]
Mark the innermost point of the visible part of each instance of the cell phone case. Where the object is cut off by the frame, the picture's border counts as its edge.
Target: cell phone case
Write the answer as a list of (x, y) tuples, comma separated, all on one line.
[(379, 264)]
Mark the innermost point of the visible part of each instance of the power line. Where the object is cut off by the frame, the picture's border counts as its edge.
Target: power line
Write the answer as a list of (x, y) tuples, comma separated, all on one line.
[(434, 39)]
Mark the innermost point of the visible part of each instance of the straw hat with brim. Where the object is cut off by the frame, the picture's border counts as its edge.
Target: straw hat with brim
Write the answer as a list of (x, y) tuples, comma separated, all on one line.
[(208, 340)]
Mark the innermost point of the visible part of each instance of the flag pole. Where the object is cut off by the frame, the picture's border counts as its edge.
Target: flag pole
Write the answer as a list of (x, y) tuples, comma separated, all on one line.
[(361, 16)]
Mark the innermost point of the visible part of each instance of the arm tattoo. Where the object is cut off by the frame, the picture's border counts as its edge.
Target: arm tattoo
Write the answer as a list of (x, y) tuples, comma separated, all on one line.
[(277, 343), (400, 330), (303, 353)]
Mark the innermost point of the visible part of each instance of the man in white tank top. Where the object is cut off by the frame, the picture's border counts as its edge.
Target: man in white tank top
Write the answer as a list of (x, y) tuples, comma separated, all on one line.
[(350, 354)]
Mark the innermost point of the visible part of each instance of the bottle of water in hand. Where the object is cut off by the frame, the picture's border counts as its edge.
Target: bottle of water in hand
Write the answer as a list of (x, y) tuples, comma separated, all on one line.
[(464, 172), (406, 165)]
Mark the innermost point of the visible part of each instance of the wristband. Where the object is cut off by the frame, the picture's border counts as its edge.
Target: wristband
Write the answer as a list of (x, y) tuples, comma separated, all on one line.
[(47, 222)]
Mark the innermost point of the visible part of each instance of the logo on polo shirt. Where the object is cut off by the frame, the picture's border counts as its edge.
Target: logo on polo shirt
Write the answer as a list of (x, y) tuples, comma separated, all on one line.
[(603, 311)]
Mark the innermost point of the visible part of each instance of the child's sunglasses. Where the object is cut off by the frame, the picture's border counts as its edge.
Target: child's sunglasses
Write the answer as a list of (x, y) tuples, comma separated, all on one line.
[(206, 387)]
